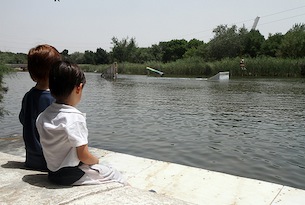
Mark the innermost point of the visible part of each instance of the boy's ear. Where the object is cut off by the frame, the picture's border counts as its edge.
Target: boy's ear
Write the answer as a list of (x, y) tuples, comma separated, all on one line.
[(79, 88)]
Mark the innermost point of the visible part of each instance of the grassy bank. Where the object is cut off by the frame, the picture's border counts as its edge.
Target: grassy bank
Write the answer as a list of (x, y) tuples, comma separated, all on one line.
[(197, 67), (3, 70)]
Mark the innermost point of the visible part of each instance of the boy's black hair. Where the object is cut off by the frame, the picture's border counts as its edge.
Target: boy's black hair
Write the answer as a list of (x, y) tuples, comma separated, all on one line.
[(63, 77)]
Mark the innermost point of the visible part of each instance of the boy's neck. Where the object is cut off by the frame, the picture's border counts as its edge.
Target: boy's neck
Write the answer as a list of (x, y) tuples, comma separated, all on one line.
[(66, 102), (73, 99), (42, 85)]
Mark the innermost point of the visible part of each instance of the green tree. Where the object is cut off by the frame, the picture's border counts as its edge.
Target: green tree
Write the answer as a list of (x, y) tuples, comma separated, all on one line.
[(253, 42), (173, 50), (89, 57), (195, 48), (293, 43), (194, 43), (200, 52), (12, 58), (143, 55), (226, 43), (242, 33), (77, 57), (270, 47), (101, 56), (124, 50), (156, 52)]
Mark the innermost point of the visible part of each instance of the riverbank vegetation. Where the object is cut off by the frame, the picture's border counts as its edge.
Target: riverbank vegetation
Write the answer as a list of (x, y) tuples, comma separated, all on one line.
[(280, 55), (196, 67), (8, 58), (3, 70)]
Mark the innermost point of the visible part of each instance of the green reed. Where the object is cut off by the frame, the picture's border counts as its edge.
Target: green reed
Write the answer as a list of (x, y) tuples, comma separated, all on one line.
[(197, 67)]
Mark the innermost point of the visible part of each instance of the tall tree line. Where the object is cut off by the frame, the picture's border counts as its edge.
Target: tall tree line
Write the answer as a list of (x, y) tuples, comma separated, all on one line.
[(227, 42)]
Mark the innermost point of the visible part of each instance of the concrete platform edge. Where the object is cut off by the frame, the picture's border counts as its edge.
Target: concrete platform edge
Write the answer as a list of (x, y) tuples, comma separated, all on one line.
[(152, 182)]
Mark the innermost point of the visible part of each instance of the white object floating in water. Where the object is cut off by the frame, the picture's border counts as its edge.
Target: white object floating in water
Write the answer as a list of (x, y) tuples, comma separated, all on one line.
[(221, 76), (154, 70)]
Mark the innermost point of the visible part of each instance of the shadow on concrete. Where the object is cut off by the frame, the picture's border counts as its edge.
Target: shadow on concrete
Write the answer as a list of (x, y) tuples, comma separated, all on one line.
[(41, 180), (19, 165), (14, 165)]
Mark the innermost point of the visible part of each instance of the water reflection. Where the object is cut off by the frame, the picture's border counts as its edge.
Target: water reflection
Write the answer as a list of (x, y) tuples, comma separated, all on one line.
[(252, 128)]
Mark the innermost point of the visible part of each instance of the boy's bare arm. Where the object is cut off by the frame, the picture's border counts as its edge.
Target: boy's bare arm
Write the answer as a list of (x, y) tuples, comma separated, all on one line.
[(85, 156)]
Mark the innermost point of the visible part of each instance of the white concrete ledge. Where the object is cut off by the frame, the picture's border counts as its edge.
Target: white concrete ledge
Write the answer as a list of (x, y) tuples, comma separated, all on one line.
[(173, 184)]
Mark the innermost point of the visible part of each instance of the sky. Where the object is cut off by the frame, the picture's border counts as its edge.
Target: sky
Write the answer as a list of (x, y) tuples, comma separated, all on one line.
[(80, 25)]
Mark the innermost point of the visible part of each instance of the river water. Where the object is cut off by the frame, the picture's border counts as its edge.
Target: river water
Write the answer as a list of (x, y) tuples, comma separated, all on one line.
[(247, 127)]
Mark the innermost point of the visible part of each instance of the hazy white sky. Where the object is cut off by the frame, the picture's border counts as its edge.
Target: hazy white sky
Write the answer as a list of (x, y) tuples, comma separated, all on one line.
[(79, 25)]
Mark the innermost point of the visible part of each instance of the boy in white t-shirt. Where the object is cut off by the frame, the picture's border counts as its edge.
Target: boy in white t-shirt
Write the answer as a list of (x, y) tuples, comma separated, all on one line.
[(64, 135)]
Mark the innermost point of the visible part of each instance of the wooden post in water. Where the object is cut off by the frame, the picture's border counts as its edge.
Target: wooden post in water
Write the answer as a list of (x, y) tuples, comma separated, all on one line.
[(112, 72)]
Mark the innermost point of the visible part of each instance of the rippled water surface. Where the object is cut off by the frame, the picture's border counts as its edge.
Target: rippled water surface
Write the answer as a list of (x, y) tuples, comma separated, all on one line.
[(246, 127)]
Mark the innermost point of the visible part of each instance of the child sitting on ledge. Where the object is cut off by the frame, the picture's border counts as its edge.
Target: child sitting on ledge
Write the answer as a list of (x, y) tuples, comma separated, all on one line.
[(36, 100), (64, 134)]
